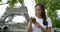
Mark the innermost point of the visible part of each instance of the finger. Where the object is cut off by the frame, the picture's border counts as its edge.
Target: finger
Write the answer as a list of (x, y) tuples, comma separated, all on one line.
[(30, 20)]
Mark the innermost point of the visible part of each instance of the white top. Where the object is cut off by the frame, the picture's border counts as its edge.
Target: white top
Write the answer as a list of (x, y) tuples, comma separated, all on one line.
[(40, 21)]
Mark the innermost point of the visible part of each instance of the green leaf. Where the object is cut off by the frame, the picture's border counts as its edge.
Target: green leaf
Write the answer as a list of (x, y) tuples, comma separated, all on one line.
[(37, 1), (21, 1), (0, 0), (11, 3)]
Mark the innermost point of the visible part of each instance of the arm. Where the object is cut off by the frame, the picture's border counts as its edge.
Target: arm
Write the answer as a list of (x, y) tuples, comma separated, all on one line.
[(29, 28), (44, 29)]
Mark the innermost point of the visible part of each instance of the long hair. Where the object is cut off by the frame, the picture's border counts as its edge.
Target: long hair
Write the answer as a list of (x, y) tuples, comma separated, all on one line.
[(43, 15)]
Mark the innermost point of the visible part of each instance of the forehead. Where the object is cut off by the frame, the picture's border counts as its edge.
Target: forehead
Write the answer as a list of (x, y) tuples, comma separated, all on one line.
[(38, 7)]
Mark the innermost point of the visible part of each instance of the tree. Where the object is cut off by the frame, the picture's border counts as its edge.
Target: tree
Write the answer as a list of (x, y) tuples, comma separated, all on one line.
[(12, 2), (51, 6)]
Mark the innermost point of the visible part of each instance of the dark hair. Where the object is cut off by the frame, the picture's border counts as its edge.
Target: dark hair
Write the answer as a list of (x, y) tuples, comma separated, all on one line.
[(43, 12)]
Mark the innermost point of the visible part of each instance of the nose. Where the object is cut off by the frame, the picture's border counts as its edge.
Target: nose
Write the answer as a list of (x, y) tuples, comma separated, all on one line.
[(37, 11)]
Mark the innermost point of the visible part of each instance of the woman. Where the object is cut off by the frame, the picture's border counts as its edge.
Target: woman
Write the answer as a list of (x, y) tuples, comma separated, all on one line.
[(43, 23)]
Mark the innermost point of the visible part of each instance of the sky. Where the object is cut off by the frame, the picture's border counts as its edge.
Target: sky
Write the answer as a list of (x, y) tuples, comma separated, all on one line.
[(28, 3)]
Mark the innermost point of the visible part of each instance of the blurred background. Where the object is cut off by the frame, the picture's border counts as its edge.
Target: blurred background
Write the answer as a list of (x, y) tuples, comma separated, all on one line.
[(14, 14)]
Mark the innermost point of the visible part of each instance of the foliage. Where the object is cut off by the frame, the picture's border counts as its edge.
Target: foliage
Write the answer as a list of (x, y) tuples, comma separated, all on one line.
[(12, 2), (21, 1), (0, 0)]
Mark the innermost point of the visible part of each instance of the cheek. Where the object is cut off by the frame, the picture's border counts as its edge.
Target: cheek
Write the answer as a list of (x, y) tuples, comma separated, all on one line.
[(38, 12)]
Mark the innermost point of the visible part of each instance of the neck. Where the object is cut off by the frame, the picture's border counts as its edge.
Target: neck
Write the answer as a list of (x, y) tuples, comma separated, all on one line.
[(39, 16)]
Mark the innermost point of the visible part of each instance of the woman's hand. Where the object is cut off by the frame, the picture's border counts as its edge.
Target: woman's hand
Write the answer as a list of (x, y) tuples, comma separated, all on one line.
[(31, 20), (30, 25), (37, 24)]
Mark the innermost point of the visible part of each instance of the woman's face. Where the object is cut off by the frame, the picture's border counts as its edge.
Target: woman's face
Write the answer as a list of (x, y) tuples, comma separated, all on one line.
[(38, 11)]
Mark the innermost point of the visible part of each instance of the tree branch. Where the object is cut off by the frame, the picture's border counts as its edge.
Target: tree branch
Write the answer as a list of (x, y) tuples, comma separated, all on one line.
[(3, 3)]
